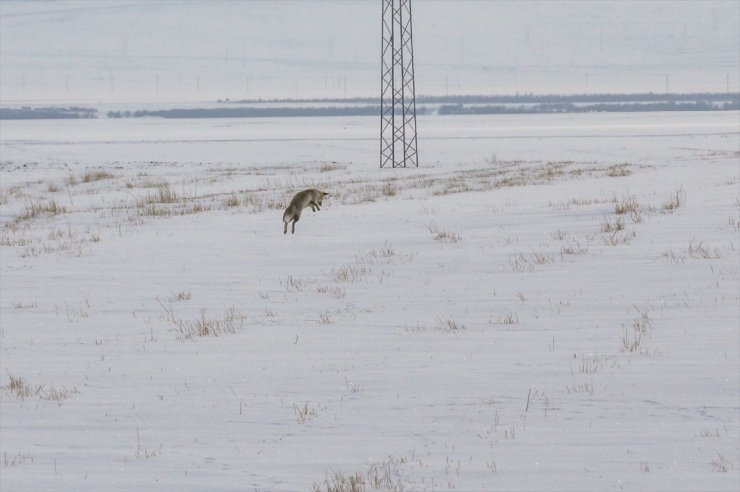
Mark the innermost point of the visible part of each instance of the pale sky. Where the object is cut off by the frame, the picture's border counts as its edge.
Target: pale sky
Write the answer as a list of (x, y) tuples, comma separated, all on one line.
[(112, 51)]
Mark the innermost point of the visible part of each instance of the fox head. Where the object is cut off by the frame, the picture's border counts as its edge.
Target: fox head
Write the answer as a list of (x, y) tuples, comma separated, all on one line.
[(321, 198)]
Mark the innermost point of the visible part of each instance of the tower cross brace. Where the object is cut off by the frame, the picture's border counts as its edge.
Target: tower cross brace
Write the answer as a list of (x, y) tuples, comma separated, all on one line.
[(398, 89)]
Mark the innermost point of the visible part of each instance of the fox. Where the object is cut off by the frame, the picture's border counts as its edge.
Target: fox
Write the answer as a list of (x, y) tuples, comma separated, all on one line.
[(306, 198)]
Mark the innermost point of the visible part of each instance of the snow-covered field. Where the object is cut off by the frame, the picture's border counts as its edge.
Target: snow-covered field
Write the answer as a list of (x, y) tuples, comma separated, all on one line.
[(548, 302)]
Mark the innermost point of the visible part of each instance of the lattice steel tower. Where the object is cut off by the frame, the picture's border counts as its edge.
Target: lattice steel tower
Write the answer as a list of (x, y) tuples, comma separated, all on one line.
[(398, 90)]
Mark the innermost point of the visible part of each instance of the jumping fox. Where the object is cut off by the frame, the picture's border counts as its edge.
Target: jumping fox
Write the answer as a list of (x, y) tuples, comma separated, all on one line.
[(306, 198)]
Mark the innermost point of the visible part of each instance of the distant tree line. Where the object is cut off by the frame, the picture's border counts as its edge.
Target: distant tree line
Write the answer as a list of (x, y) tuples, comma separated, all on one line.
[(443, 105), (29, 113), (453, 109), (445, 109), (519, 98), (250, 112)]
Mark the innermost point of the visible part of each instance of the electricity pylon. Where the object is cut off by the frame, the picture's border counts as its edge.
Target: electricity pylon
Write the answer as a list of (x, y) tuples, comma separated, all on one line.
[(398, 90)]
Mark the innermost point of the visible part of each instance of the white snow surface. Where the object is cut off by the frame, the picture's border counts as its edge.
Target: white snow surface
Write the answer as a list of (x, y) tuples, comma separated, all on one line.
[(475, 323)]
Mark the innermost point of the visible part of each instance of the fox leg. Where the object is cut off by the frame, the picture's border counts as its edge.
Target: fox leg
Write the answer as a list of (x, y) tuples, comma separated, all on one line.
[(314, 206), (292, 230), (285, 229)]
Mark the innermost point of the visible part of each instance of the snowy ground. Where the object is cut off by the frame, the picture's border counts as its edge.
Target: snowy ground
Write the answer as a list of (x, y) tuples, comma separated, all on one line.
[(549, 302)]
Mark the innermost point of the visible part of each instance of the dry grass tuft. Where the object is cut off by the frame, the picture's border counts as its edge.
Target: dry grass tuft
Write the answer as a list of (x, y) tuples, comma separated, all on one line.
[(203, 327), (327, 168), (349, 272), (232, 201), (450, 324), (444, 236), (626, 205), (720, 464), (294, 284), (158, 210), (609, 226), (698, 250), (96, 176), (631, 343), (574, 248), (17, 460), (183, 295), (159, 203), (510, 318), (642, 324), (21, 389), (35, 209), (615, 238), (305, 412), (164, 194), (674, 201), (338, 482), (155, 211), (552, 170), (558, 235), (335, 292), (379, 476), (671, 257), (146, 182), (618, 170), (389, 189)]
